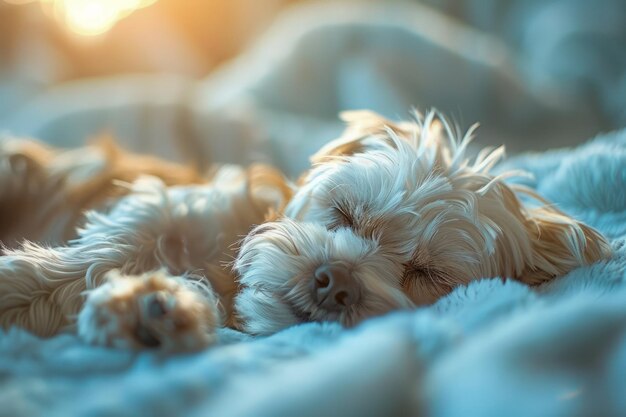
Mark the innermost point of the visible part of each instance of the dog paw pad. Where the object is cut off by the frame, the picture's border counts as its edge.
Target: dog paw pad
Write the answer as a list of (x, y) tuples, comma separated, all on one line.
[(149, 311)]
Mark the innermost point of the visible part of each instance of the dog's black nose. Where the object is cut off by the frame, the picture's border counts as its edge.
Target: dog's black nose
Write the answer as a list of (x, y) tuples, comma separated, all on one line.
[(333, 287)]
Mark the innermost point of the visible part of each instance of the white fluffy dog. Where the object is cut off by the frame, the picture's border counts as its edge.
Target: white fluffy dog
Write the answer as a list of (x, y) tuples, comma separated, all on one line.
[(390, 216), (395, 216)]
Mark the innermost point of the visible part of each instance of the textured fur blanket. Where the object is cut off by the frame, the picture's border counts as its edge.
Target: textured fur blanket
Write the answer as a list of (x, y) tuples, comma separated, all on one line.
[(493, 348)]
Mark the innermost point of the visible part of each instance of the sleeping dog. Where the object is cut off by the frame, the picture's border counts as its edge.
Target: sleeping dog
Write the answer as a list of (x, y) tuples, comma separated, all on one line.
[(390, 216)]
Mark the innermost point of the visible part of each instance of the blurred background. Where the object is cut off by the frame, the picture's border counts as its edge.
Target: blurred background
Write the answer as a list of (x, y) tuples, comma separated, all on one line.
[(238, 81)]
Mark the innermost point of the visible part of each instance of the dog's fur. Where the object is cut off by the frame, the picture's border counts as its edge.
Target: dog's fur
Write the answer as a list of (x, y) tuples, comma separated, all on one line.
[(45, 192), (402, 207), (399, 205), (164, 250)]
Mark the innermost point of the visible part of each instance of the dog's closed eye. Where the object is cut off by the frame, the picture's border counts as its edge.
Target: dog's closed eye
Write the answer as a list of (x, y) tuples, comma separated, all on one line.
[(342, 217), (412, 271), (424, 283), (415, 270)]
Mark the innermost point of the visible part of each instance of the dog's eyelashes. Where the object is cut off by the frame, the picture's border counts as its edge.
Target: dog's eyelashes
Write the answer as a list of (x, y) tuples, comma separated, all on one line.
[(414, 270), (341, 218), (425, 279)]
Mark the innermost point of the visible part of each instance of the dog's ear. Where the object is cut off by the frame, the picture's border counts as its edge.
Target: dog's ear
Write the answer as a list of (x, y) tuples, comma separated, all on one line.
[(364, 129), (559, 243)]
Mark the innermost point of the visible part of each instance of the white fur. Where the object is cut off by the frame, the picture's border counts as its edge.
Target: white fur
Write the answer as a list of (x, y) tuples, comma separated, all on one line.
[(184, 229), (411, 216)]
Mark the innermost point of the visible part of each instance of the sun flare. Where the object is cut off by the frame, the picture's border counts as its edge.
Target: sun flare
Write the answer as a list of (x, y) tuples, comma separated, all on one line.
[(89, 17)]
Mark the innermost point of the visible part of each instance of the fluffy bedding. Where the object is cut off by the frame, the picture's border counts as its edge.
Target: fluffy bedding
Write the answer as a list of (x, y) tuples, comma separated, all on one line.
[(492, 348)]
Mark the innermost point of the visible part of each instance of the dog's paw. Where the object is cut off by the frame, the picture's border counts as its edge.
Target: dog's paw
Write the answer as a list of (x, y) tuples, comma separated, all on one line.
[(149, 311)]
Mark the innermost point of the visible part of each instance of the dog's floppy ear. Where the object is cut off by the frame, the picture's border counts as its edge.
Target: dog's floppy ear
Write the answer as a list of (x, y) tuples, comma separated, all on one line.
[(361, 133), (559, 243)]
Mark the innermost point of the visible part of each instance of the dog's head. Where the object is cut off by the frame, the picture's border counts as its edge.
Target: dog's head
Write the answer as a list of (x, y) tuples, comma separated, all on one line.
[(393, 216)]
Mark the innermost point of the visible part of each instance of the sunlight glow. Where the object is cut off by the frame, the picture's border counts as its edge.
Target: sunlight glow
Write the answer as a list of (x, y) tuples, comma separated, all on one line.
[(89, 17)]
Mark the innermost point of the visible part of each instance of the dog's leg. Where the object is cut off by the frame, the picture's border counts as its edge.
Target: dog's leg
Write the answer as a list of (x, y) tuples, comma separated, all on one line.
[(42, 290), (153, 310)]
